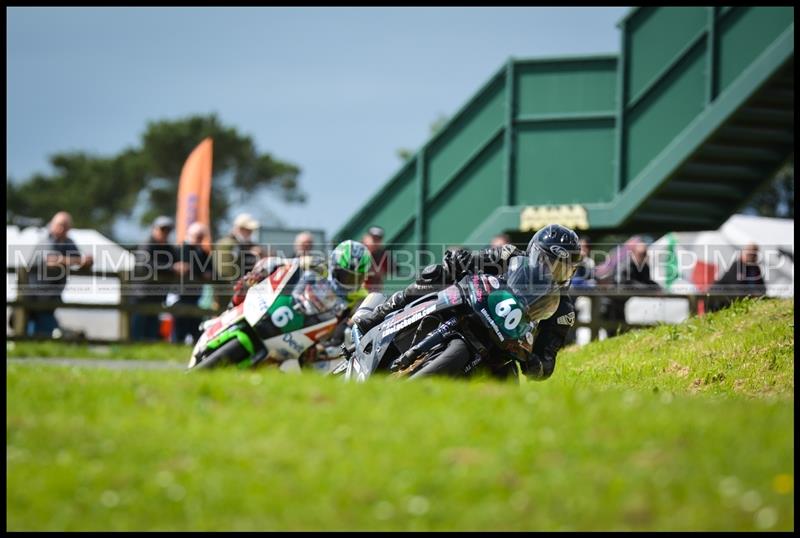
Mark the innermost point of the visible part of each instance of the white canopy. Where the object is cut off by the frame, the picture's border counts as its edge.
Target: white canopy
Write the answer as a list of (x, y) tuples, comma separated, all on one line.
[(718, 249), (108, 255)]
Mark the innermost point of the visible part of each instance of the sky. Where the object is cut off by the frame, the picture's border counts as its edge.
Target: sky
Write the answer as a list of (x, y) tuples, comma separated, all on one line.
[(336, 91)]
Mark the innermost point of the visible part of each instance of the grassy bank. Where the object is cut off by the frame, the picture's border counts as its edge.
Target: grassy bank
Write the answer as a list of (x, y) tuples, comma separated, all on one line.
[(747, 349)]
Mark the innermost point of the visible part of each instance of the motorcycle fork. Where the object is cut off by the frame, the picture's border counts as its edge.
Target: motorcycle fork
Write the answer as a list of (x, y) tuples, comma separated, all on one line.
[(419, 353), (478, 350)]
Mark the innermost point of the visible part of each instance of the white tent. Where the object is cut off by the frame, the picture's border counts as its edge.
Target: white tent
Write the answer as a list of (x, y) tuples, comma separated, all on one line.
[(107, 255), (718, 250)]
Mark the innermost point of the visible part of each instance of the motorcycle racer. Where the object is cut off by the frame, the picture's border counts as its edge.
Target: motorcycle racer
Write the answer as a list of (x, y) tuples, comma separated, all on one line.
[(555, 245), (347, 268)]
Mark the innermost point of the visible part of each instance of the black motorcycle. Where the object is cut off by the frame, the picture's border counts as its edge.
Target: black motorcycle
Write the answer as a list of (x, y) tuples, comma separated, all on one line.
[(482, 320)]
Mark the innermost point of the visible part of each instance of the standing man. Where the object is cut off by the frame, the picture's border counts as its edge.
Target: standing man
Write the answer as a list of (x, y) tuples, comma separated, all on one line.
[(373, 240), (156, 267), (198, 262), (303, 244), (499, 240), (631, 274), (584, 274), (235, 255), (52, 258), (742, 279)]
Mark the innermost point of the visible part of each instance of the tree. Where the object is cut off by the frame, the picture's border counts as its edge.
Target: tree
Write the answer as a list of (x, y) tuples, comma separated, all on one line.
[(777, 199), (237, 165), (98, 190), (95, 190)]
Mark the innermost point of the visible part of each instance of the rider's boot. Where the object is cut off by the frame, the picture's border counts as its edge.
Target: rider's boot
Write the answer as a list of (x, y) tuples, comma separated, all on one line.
[(432, 278), (367, 319)]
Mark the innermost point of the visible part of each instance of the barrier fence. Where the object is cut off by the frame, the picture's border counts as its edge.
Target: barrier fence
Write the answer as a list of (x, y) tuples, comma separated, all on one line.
[(127, 306)]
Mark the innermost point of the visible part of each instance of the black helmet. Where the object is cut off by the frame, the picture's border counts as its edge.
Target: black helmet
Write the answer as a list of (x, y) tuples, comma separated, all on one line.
[(559, 247)]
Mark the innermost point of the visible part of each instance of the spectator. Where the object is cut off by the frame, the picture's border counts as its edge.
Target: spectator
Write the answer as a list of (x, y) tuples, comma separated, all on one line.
[(636, 273), (631, 273), (742, 279), (156, 266), (236, 254), (499, 240), (583, 279), (199, 270), (373, 240), (303, 244), (584, 274), (52, 257)]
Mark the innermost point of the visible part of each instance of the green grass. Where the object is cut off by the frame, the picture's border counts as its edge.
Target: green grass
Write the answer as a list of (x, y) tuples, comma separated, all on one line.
[(597, 447), (150, 351), (747, 349)]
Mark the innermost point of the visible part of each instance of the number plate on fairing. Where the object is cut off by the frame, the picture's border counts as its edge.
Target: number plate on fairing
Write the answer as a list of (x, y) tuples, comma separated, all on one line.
[(507, 313), (261, 302), (498, 308)]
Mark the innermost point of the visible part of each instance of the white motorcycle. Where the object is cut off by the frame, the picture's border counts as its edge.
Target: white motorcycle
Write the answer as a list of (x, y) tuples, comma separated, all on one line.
[(281, 321)]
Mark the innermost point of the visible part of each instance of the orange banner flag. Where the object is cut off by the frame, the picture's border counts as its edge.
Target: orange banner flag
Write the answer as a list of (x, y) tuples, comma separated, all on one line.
[(194, 192)]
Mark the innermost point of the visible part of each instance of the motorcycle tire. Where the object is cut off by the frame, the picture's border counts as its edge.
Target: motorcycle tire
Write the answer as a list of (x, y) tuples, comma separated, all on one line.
[(231, 352)]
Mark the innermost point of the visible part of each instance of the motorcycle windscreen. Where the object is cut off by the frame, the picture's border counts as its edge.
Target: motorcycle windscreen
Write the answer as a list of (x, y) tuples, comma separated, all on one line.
[(367, 357), (531, 280), (315, 295)]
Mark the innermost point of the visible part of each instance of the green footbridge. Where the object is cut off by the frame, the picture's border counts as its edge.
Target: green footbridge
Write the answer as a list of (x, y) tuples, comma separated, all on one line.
[(676, 132)]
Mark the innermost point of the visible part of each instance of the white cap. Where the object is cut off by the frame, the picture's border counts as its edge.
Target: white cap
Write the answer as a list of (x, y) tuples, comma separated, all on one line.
[(164, 222), (246, 221)]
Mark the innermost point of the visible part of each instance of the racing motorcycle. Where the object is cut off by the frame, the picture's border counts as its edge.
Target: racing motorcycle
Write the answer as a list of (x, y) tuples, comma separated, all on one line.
[(280, 322), (490, 317)]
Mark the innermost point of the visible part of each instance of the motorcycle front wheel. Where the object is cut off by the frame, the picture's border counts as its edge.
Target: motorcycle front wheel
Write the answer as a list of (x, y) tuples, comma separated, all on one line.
[(231, 352)]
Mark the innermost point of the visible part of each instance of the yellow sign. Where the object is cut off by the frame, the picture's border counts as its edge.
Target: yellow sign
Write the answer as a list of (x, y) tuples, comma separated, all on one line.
[(572, 216)]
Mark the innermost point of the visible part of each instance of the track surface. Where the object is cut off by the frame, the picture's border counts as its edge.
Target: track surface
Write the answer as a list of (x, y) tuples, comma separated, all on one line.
[(111, 364)]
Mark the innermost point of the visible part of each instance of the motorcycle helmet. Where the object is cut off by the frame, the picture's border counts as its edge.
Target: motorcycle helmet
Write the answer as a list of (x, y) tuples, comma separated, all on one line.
[(349, 264), (556, 246)]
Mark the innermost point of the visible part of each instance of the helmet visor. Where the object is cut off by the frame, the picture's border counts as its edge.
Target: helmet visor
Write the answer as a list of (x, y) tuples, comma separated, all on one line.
[(561, 265), (348, 279), (533, 283)]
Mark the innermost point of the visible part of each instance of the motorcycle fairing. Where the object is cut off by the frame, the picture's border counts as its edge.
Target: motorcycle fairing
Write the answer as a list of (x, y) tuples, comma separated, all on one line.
[(374, 345), (293, 344)]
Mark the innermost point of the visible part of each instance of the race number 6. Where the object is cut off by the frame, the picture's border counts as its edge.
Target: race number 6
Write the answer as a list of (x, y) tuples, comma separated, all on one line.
[(282, 316)]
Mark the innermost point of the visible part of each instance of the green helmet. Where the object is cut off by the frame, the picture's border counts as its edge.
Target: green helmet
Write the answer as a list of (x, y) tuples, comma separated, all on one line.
[(349, 264)]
